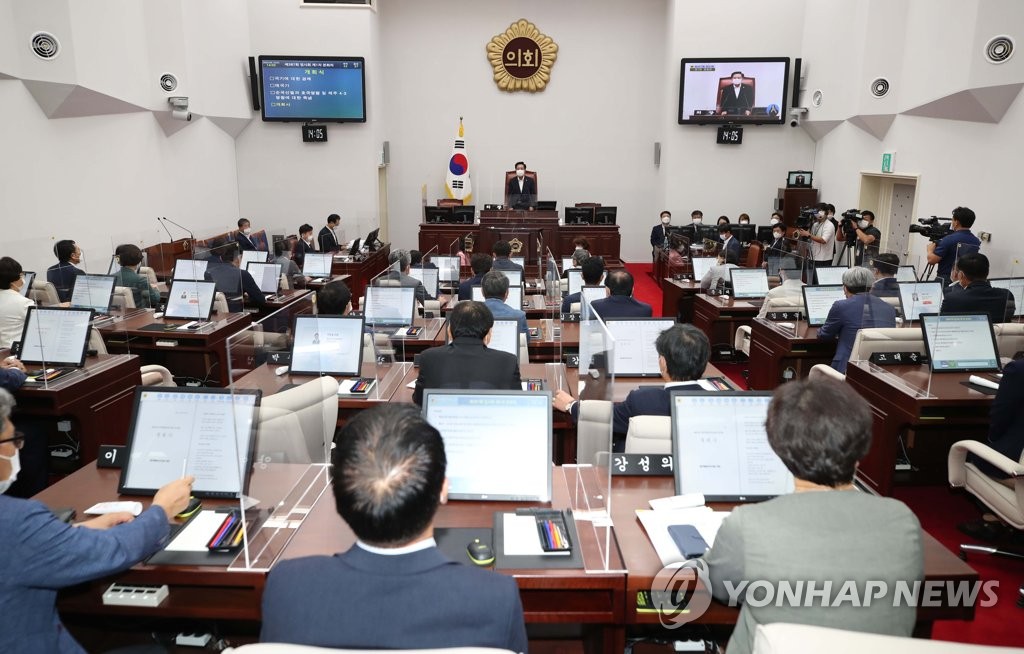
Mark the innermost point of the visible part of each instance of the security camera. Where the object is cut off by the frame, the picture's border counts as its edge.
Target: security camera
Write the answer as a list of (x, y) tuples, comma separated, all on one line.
[(179, 108), (795, 114)]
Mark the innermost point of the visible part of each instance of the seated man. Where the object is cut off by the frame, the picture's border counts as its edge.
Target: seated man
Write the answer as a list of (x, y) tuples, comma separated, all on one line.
[(400, 262), (419, 260), (62, 274), (388, 482), (592, 270), (858, 311), (501, 251), (237, 285), (305, 244), (467, 362), (495, 287), (886, 266), (280, 255), (719, 273), (242, 236), (826, 531), (683, 352), (481, 264), (972, 292), (579, 255), (791, 288), (130, 257), (620, 302), (13, 305), (334, 299)]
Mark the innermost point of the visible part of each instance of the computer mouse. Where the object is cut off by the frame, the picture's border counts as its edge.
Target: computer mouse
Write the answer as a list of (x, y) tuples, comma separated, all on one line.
[(480, 553), (193, 505), (280, 370)]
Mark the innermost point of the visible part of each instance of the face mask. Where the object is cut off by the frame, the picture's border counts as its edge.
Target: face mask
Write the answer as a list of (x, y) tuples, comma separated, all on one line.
[(15, 469), (774, 221), (696, 221), (247, 231), (520, 172), (665, 220), (308, 240), (821, 215), (777, 235), (863, 224), (736, 82), (744, 222)]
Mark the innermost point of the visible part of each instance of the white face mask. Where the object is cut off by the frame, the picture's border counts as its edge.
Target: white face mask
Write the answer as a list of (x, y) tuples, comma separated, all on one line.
[(247, 231), (696, 221), (777, 235), (308, 239), (520, 172), (736, 81), (15, 469), (744, 222), (774, 221), (821, 215), (665, 220), (863, 224)]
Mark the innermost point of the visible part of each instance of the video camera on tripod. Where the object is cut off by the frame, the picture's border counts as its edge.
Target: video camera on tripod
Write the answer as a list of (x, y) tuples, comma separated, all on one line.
[(849, 221), (934, 228), (806, 217)]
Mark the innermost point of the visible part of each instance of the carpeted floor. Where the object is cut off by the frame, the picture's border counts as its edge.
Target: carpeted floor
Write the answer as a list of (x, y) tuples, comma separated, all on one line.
[(938, 508)]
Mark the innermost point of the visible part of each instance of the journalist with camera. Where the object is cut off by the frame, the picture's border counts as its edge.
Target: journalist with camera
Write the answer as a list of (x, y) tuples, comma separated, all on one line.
[(958, 242), (861, 234), (814, 225)]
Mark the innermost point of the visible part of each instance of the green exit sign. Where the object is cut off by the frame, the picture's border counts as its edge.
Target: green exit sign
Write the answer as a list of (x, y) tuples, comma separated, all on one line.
[(887, 162)]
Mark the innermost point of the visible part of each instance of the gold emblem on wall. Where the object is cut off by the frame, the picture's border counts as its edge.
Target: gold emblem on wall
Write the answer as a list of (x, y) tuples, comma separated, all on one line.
[(516, 245), (522, 57)]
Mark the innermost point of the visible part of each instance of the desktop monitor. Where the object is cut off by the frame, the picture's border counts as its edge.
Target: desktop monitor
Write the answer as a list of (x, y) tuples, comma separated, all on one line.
[(566, 263), (745, 233), (520, 261), (447, 266), (429, 277), (267, 276), (818, 300), (514, 299), (920, 297), (515, 277), (190, 300), (354, 248), (701, 266), (433, 215), (190, 269), (93, 292), (27, 277), (574, 277), (389, 306), (464, 215), (579, 215), (250, 256), (209, 433), (708, 232), (372, 239), (829, 275), (635, 354), (590, 293), (327, 345), (605, 215), (764, 234), (505, 336), (115, 265), (748, 282), (799, 179), (1013, 284), (960, 342), (317, 264), (547, 205), (721, 448), (906, 274), (55, 336), (498, 443)]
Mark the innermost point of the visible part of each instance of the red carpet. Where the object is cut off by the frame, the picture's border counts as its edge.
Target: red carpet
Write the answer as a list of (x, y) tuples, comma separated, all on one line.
[(938, 508)]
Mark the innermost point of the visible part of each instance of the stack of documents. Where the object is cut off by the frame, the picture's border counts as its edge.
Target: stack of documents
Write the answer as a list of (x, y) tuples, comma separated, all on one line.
[(657, 521)]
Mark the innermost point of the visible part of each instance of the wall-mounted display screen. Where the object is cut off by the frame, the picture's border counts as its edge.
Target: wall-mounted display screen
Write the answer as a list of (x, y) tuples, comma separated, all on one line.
[(326, 89)]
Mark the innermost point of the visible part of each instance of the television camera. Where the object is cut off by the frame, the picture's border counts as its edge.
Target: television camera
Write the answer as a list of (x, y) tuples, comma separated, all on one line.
[(933, 227)]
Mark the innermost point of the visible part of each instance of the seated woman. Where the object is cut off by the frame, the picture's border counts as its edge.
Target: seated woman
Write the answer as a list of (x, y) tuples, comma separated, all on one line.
[(827, 533), (679, 250), (720, 271), (130, 257), (62, 274), (13, 306)]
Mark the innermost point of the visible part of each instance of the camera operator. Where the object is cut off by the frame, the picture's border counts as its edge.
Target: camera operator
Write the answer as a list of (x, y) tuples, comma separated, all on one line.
[(868, 237), (822, 235), (944, 253)]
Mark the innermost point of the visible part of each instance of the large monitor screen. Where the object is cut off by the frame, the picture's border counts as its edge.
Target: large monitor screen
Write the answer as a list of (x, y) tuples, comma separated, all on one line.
[(447, 266), (519, 260), (701, 266), (960, 342), (906, 274), (505, 336), (721, 448), (514, 299), (324, 89), (574, 278), (251, 256), (587, 295), (635, 354), (55, 336), (327, 345), (818, 300), (749, 282), (515, 277), (27, 278), (1014, 284), (733, 90), (190, 300), (115, 265), (920, 297), (266, 275), (190, 269), (829, 275), (208, 433), (93, 292), (316, 264), (429, 278), (389, 306), (498, 443)]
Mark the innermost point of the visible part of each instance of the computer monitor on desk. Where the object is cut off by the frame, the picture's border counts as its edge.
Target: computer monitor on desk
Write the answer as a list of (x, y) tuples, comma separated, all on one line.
[(435, 215), (515, 277), (252, 256), (829, 275), (635, 353), (579, 215), (1013, 284), (514, 299), (27, 277), (605, 215), (748, 283), (93, 292), (960, 342), (498, 443), (115, 265), (920, 297), (574, 280), (505, 336), (190, 269), (389, 306), (818, 301), (744, 233), (429, 277), (447, 267), (317, 264), (906, 274), (55, 336), (190, 300), (266, 275), (327, 345), (519, 261), (701, 266), (720, 447)]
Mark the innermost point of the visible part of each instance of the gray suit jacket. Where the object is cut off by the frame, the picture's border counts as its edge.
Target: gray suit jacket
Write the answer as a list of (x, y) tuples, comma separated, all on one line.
[(822, 536)]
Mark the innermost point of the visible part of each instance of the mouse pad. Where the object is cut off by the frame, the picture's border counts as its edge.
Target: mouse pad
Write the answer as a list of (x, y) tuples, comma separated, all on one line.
[(454, 541)]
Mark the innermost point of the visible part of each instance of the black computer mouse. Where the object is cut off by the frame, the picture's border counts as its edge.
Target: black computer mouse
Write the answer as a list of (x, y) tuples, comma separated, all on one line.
[(480, 553)]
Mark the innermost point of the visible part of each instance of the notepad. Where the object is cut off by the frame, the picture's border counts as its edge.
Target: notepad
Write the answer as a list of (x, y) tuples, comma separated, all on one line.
[(197, 533)]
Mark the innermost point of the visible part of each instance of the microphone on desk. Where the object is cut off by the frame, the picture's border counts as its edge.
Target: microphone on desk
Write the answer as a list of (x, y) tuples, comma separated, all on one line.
[(180, 226), (158, 219)]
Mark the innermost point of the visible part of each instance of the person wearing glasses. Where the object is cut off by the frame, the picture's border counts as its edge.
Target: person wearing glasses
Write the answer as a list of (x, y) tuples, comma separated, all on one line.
[(13, 306), (43, 554)]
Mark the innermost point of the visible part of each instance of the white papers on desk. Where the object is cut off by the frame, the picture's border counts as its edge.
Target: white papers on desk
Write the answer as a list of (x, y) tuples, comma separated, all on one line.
[(197, 533), (656, 523), (522, 537), (635, 353)]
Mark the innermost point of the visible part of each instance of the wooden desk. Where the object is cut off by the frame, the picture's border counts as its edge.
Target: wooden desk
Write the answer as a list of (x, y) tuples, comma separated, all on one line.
[(642, 562), (720, 318), (928, 424), (547, 346), (779, 354), (604, 240), (97, 399), (200, 353), (361, 271), (677, 299), (286, 298)]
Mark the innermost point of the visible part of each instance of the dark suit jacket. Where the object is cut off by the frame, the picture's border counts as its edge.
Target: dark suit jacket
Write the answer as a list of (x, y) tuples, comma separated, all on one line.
[(979, 297), (466, 287), (362, 600), (62, 276), (659, 234), (466, 363), (327, 240), (620, 306), (734, 246), (525, 198), (568, 301), (504, 263), (1006, 424), (244, 242), (886, 287), (737, 105), (232, 282), (847, 316), (642, 401)]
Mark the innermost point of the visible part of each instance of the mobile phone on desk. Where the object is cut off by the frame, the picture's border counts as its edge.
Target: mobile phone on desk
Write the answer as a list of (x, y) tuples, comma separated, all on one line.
[(689, 541)]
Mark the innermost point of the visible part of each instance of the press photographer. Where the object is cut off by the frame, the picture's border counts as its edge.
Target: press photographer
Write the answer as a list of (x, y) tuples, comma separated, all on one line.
[(959, 242), (815, 226), (859, 228)]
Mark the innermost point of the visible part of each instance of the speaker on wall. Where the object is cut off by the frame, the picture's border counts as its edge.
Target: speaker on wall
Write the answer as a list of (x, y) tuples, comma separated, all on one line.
[(254, 84), (657, 153), (796, 82)]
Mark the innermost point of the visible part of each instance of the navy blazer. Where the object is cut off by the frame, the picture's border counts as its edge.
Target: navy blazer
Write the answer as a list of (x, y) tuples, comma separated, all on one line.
[(525, 198), (979, 297), (734, 246), (244, 242), (1006, 424), (232, 282), (466, 287), (62, 276), (42, 554), (362, 600), (659, 235), (847, 316), (642, 401), (620, 306), (327, 240), (466, 363), (886, 287)]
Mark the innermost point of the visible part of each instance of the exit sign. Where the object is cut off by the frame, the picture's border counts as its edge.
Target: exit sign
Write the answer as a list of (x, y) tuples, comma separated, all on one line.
[(887, 162)]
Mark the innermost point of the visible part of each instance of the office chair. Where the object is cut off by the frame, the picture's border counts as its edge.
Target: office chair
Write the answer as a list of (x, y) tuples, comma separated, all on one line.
[(220, 303), (122, 299), (593, 430), (779, 637), (754, 255), (886, 339), (297, 425), (741, 342), (649, 435), (152, 374), (149, 274), (43, 293), (524, 350), (824, 371), (283, 648), (1009, 338)]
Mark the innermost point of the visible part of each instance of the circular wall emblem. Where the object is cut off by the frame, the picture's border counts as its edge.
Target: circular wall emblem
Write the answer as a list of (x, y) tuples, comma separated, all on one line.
[(522, 57)]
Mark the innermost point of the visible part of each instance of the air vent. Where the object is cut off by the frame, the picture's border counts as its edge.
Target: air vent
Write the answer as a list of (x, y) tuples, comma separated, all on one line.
[(817, 98), (45, 45), (168, 82), (880, 87), (999, 49)]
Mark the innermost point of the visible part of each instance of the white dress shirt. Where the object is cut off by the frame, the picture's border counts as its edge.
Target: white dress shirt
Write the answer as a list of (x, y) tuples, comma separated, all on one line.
[(13, 309)]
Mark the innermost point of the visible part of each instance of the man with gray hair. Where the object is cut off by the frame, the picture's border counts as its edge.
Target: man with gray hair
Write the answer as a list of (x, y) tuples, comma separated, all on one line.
[(859, 310), (400, 262), (495, 288)]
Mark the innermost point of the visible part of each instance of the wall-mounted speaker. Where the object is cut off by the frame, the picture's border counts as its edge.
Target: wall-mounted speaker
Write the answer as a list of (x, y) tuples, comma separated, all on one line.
[(879, 87), (999, 49), (168, 82), (657, 153), (797, 65), (385, 153), (254, 84), (44, 45)]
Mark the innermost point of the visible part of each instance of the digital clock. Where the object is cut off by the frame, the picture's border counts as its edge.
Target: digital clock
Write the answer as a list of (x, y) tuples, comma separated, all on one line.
[(730, 135), (314, 133)]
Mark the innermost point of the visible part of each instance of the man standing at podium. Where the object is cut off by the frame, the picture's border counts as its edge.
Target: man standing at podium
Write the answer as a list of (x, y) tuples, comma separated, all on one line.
[(522, 190), (328, 236)]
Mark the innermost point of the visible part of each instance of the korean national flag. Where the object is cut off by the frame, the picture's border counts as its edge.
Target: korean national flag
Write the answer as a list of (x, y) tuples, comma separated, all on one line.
[(457, 181)]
